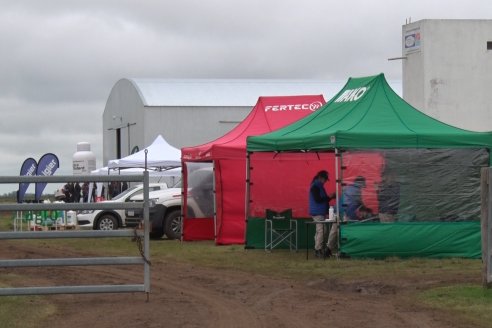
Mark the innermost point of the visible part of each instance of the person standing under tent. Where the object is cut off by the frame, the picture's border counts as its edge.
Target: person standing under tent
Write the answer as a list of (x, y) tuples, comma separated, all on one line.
[(114, 189), (66, 190), (71, 188), (94, 192), (318, 209), (77, 189), (111, 189), (85, 192), (352, 199), (388, 197), (352, 209)]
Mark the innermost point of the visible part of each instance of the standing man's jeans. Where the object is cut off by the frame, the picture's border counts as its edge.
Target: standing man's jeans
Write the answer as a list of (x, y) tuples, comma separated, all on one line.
[(333, 238), (319, 236)]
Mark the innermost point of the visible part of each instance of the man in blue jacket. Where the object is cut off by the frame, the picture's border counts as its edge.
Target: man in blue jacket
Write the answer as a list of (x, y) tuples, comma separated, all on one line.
[(318, 208), (352, 198)]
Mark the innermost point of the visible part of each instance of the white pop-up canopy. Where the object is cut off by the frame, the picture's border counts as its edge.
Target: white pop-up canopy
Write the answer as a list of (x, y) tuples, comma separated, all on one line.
[(160, 156), (175, 172)]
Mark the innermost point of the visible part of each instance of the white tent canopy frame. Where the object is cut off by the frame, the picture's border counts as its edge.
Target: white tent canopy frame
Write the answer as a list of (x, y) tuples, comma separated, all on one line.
[(171, 173), (160, 156), (160, 159), (174, 172)]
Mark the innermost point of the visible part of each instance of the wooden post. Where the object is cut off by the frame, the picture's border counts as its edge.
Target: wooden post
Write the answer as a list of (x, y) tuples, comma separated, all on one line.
[(485, 225)]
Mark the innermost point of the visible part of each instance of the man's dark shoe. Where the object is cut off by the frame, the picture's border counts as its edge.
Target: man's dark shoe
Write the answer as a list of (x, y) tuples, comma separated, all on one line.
[(327, 253), (318, 253)]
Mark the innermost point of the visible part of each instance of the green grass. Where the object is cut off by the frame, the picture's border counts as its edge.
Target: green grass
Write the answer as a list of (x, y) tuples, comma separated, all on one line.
[(6, 221), (294, 265), (470, 302), (23, 311)]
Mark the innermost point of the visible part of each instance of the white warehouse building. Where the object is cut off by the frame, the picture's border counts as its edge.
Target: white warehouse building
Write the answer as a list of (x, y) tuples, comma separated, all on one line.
[(190, 112), (186, 112), (447, 70)]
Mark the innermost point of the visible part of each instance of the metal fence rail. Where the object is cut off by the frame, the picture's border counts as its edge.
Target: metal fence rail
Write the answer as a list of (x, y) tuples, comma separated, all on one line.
[(89, 261)]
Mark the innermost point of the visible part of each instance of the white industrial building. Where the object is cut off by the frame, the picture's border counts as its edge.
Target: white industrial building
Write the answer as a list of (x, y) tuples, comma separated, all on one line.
[(187, 112), (190, 112), (447, 70)]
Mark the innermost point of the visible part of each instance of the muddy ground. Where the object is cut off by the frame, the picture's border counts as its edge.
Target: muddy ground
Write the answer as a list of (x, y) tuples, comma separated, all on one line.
[(186, 295)]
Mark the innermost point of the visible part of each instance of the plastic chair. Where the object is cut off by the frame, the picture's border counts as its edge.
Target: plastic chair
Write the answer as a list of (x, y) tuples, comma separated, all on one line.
[(280, 228)]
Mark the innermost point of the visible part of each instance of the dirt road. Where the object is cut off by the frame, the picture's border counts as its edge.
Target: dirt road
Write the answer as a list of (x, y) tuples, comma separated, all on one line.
[(185, 295)]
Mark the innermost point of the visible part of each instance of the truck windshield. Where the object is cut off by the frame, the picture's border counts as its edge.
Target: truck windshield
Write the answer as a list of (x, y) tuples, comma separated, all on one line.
[(126, 192)]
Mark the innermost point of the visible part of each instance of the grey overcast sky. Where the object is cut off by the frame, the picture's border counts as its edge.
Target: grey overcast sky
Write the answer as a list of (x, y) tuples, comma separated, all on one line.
[(60, 59)]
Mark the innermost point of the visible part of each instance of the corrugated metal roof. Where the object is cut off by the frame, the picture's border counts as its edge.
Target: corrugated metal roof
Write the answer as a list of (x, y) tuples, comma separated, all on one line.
[(231, 92)]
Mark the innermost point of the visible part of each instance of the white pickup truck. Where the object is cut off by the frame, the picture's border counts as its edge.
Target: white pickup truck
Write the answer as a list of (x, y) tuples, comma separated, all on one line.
[(114, 219), (166, 218)]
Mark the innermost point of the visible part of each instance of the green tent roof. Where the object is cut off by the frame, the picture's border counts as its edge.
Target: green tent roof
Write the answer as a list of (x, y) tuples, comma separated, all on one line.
[(367, 113)]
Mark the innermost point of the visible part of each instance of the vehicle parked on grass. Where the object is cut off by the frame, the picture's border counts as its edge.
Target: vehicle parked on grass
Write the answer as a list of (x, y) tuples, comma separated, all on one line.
[(200, 204), (114, 219)]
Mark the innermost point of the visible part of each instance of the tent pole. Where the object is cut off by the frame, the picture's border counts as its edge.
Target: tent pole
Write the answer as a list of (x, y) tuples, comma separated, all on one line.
[(215, 201), (337, 180), (184, 177), (337, 193), (246, 207)]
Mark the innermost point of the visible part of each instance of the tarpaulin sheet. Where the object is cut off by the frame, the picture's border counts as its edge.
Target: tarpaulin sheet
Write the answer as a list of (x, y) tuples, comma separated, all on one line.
[(230, 200), (412, 239)]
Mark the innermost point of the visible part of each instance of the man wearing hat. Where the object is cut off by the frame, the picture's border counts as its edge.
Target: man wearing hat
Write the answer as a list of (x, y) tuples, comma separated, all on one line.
[(318, 209)]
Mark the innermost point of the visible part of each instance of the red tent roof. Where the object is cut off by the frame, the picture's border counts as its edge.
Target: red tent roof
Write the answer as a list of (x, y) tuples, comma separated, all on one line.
[(269, 114)]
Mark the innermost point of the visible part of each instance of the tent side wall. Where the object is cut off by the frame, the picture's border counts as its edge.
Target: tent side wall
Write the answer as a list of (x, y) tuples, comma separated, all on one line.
[(438, 204), (230, 195), (198, 215), (412, 239), (281, 180), (438, 207), (229, 191)]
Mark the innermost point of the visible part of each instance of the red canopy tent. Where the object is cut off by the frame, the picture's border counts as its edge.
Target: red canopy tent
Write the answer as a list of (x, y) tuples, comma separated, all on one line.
[(228, 155)]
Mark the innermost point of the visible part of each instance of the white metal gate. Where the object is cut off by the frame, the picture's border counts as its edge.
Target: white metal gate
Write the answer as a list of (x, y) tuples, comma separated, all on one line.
[(80, 289)]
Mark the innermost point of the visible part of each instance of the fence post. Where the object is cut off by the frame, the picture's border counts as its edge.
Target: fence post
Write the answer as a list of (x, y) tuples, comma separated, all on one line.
[(486, 217), (146, 233)]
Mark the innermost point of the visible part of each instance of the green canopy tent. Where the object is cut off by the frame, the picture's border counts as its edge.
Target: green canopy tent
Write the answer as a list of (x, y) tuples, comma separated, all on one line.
[(437, 166)]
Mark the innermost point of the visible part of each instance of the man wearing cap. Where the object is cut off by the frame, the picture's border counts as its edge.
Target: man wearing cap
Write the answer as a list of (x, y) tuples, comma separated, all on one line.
[(318, 209)]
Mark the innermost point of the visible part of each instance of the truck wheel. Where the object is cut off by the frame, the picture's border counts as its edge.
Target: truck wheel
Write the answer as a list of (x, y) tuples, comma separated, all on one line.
[(173, 224), (107, 222)]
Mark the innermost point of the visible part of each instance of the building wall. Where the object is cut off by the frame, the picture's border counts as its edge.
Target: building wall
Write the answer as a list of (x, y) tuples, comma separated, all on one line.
[(191, 126), (180, 126), (448, 74), (124, 106)]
